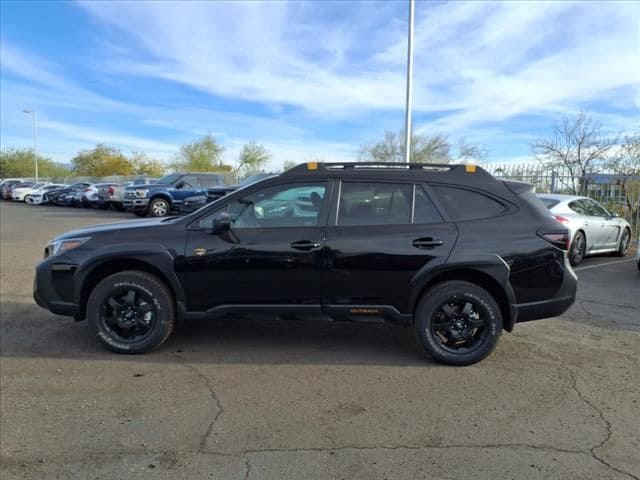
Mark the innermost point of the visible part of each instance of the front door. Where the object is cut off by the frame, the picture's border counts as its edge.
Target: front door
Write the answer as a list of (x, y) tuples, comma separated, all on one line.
[(379, 237), (271, 256)]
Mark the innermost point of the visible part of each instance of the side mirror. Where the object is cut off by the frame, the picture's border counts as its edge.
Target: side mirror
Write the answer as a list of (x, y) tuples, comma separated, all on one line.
[(613, 215), (179, 185), (221, 223)]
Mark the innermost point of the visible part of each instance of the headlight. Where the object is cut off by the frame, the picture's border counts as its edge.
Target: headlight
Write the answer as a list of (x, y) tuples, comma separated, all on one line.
[(141, 193), (61, 246)]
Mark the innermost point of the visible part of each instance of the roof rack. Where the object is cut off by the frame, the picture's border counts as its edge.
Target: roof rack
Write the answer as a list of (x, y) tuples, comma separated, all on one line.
[(427, 167)]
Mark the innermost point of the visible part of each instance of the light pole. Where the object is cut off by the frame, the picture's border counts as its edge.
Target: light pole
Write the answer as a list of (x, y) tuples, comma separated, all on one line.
[(407, 114), (35, 139)]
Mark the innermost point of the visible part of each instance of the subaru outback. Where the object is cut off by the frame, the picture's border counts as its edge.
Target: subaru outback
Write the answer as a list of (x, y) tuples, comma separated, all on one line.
[(447, 250)]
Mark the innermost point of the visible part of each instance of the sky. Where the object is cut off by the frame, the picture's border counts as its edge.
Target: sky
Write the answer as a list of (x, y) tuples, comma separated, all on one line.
[(310, 80)]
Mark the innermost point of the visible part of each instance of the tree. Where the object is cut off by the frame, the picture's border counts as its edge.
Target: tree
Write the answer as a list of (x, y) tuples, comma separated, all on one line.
[(101, 161), (576, 145), (143, 165), (625, 163), (288, 165), (253, 157), (19, 162), (202, 155), (423, 149)]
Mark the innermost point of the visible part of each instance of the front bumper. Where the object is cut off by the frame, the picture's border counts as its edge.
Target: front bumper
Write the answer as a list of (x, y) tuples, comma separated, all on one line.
[(552, 307), (136, 203), (53, 286)]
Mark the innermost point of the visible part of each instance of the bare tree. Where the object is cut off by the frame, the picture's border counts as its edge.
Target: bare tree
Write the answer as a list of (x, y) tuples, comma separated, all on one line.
[(424, 149), (577, 145), (625, 163)]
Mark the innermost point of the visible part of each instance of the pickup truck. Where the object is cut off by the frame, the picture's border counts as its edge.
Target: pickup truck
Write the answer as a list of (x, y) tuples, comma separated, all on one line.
[(160, 199), (114, 196)]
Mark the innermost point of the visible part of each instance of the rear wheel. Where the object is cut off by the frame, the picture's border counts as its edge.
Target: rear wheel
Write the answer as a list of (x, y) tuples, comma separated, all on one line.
[(458, 323), (159, 207), (625, 242), (578, 249), (131, 312)]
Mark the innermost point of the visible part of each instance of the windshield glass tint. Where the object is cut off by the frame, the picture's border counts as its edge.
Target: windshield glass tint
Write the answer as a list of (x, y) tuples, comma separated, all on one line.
[(169, 179)]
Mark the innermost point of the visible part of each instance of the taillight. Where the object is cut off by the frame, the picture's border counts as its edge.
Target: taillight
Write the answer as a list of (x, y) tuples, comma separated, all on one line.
[(88, 189), (560, 240), (561, 219), (111, 190)]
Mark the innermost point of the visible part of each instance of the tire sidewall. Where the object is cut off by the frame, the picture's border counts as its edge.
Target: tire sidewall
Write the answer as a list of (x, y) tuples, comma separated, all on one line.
[(458, 290), (622, 252), (161, 299)]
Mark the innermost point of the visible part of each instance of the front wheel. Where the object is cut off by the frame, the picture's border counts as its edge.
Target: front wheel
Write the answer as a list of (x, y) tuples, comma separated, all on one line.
[(458, 323), (159, 208), (131, 312), (625, 242)]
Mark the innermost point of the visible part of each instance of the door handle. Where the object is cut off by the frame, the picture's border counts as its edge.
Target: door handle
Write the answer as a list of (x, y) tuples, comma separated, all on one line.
[(427, 242), (305, 245)]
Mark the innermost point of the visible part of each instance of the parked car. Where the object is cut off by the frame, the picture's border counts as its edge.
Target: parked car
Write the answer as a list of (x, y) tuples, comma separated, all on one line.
[(89, 197), (19, 193), (191, 204), (65, 196), (638, 256), (114, 195), (6, 185), (159, 200), (8, 195), (35, 197), (448, 250), (593, 229)]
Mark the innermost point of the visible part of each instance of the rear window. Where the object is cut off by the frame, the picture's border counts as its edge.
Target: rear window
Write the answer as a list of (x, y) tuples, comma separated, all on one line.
[(464, 204), (549, 202)]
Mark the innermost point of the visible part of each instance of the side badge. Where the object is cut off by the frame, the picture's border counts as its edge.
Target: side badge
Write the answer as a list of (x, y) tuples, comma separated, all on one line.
[(200, 252)]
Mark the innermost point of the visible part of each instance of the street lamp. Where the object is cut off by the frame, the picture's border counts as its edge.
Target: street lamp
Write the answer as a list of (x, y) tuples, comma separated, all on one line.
[(35, 139), (407, 113)]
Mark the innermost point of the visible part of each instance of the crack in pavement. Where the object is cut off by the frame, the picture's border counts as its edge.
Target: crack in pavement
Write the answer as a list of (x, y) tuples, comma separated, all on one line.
[(247, 465), (592, 450), (214, 397)]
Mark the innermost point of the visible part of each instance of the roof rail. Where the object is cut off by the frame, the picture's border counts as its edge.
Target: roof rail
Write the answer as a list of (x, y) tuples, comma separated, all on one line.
[(432, 167)]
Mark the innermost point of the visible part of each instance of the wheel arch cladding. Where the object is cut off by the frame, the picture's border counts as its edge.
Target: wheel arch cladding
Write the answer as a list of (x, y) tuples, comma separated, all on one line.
[(480, 278), (162, 196), (100, 270)]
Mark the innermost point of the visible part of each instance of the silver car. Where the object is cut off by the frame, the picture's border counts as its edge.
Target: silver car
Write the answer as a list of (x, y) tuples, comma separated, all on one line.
[(593, 229)]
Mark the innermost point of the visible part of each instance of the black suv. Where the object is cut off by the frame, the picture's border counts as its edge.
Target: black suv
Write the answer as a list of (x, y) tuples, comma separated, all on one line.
[(446, 249)]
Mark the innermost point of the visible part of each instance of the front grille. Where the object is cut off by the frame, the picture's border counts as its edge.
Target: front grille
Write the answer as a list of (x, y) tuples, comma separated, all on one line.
[(129, 195)]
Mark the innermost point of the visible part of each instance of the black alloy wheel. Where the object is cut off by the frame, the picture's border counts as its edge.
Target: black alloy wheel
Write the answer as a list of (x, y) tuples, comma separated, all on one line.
[(131, 312), (458, 323)]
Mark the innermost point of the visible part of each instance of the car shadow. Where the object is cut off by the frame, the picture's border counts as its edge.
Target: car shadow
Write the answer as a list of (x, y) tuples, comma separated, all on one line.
[(30, 332)]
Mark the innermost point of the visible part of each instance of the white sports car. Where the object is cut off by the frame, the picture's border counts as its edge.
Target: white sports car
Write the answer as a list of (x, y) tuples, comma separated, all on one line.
[(593, 229), (34, 196)]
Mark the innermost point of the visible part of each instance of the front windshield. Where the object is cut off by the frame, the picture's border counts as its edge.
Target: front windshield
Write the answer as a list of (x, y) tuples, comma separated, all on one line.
[(169, 179)]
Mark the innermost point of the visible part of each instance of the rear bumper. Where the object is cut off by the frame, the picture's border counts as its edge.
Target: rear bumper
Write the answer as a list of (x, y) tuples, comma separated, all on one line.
[(552, 307)]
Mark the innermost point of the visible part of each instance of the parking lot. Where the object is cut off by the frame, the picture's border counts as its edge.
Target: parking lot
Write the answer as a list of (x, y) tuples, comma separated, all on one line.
[(251, 399)]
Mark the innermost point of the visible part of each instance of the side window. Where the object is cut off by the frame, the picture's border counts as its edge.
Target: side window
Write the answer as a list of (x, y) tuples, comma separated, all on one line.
[(463, 204), (375, 203), (424, 209), (596, 209), (290, 205), (208, 180), (578, 207), (188, 181)]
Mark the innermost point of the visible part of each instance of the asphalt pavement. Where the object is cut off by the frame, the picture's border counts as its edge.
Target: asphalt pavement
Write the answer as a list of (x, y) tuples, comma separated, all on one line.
[(242, 399)]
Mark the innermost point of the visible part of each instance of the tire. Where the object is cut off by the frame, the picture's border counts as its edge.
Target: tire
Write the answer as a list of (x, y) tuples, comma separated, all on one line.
[(131, 312), (577, 249), (625, 242), (461, 338), (159, 207)]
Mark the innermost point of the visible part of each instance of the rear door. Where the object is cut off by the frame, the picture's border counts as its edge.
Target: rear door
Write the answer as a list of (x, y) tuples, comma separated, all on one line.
[(380, 234)]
